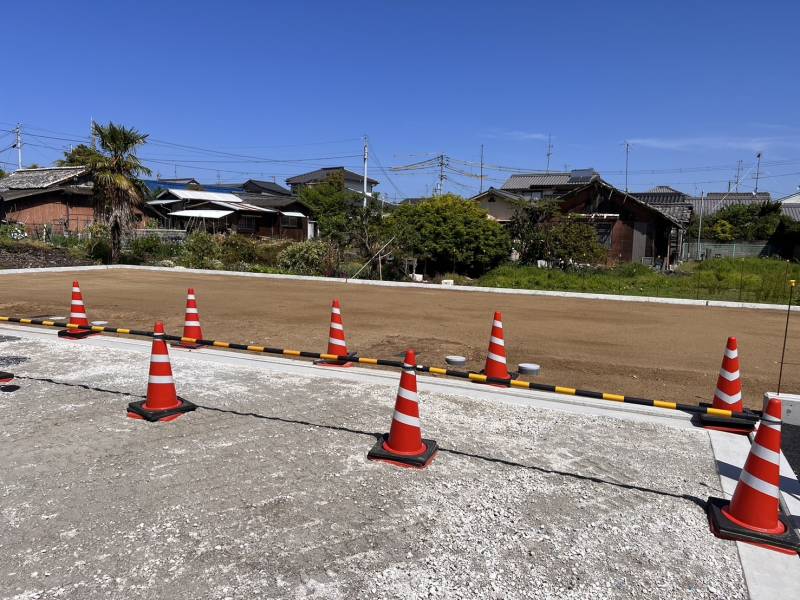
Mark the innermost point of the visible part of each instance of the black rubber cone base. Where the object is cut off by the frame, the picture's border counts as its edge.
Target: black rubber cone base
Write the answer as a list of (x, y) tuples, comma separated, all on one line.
[(137, 408), (378, 452), (75, 334), (787, 542), (729, 424)]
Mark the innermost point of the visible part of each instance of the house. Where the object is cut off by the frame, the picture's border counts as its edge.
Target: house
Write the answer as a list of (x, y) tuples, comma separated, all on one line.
[(790, 206), (549, 184), (631, 229), (352, 181), (668, 200), (247, 214), (713, 202), (59, 198)]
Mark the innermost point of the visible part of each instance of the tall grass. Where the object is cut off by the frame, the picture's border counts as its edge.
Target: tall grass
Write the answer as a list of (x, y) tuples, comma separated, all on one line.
[(746, 280)]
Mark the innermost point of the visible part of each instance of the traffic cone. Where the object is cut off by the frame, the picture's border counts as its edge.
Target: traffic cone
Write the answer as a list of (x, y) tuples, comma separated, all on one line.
[(404, 445), (162, 402), (754, 513), (337, 346), (728, 394), (191, 323), (77, 316), (496, 357), (6, 377)]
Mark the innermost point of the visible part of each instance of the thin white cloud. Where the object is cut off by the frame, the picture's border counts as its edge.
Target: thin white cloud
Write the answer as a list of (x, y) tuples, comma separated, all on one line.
[(752, 144), (518, 135)]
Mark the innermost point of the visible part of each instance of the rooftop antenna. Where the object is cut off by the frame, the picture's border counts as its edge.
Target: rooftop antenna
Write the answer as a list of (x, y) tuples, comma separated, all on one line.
[(758, 172), (549, 152)]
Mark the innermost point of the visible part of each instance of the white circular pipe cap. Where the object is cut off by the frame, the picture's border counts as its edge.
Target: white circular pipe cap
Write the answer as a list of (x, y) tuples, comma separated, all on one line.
[(528, 369), (455, 361)]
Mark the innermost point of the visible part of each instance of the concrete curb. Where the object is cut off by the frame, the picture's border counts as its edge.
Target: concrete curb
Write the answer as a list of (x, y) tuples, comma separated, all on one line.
[(420, 286), (769, 575)]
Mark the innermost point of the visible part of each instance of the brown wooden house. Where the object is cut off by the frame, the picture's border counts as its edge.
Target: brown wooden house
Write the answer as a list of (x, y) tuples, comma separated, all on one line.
[(632, 230), (59, 198)]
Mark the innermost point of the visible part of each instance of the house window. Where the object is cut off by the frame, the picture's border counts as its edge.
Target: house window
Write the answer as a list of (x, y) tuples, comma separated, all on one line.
[(603, 230), (247, 224), (290, 222), (491, 199)]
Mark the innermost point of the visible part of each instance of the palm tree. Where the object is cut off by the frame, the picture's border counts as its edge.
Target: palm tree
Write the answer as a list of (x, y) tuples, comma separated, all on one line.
[(115, 170)]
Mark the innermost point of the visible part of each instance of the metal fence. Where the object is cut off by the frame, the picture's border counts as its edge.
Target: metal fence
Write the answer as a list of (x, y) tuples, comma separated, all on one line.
[(708, 249)]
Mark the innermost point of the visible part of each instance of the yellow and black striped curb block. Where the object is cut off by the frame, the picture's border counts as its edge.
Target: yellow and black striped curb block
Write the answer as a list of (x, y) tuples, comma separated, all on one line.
[(398, 364)]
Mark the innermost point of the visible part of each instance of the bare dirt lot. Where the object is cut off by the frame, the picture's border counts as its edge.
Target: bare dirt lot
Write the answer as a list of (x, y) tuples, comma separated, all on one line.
[(651, 350)]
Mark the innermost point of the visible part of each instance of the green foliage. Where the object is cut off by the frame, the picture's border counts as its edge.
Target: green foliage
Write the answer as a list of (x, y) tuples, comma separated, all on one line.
[(152, 248), (746, 280), (267, 252), (200, 251), (741, 222), (13, 231), (115, 170), (97, 244), (541, 232), (80, 155), (723, 231), (235, 249), (449, 234), (305, 258), (345, 223)]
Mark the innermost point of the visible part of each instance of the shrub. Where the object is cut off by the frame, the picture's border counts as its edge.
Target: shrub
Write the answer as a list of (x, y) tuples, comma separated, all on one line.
[(13, 231), (267, 252), (98, 242), (304, 258), (200, 250), (235, 249), (152, 248)]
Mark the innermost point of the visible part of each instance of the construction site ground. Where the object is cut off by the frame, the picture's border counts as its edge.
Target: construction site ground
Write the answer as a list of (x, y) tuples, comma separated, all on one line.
[(660, 351), (265, 490)]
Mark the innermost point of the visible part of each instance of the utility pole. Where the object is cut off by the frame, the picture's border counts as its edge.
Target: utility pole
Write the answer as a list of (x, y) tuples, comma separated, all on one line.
[(366, 158), (91, 132), (549, 152), (738, 173), (18, 145), (442, 176), (627, 153), (480, 191), (700, 226), (758, 171)]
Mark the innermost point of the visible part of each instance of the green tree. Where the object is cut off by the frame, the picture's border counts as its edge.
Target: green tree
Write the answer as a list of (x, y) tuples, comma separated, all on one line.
[(450, 234), (723, 231), (115, 171), (2, 173), (541, 232), (80, 155), (344, 222)]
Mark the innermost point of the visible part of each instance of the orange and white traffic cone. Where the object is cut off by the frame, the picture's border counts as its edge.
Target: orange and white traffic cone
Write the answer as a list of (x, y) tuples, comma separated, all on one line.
[(77, 317), (404, 444), (191, 323), (162, 402), (496, 357), (754, 514), (728, 394), (6, 377), (337, 345)]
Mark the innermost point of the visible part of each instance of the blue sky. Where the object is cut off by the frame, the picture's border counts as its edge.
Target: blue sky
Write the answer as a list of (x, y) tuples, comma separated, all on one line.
[(695, 86)]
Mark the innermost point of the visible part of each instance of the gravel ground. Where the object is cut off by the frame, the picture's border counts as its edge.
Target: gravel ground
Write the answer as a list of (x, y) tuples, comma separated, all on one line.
[(280, 501)]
